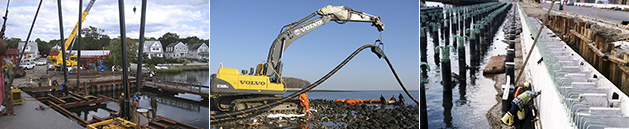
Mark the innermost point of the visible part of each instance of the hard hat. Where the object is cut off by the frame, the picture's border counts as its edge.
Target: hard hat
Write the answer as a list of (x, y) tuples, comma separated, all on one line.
[(527, 84), (122, 94)]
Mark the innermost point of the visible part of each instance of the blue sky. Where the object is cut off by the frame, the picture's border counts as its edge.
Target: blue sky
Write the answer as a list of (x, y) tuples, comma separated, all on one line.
[(187, 18), (242, 33)]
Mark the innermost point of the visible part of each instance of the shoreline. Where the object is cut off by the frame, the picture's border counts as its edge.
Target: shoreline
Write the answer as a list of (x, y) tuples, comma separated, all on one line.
[(178, 69)]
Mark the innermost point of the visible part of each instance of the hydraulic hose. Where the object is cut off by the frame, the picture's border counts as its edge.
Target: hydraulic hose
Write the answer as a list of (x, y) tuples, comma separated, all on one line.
[(313, 85)]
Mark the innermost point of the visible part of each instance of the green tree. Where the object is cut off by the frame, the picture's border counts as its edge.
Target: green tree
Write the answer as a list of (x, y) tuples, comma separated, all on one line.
[(193, 39), (94, 39), (53, 43), (43, 47), (168, 38), (13, 42), (116, 51)]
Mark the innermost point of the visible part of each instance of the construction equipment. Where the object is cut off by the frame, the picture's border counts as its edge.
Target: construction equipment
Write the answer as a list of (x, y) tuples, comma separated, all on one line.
[(232, 91), (58, 60), (16, 94)]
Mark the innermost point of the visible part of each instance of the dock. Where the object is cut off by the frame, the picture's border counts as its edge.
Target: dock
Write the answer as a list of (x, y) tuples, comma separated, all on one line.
[(27, 117)]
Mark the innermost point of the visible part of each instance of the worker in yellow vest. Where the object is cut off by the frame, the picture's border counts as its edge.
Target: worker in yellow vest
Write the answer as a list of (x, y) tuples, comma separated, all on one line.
[(517, 105)]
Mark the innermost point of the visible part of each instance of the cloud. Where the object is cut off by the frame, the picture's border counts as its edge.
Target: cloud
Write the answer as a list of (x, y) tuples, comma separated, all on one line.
[(186, 18)]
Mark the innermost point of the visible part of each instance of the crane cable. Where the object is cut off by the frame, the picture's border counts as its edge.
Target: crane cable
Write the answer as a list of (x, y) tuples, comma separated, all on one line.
[(374, 49)]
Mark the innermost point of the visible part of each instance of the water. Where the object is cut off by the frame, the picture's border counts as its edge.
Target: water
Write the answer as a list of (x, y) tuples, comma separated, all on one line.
[(468, 104), (363, 95), (190, 108), (197, 77)]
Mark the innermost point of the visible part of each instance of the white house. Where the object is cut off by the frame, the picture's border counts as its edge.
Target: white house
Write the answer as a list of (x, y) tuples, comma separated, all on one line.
[(176, 50), (31, 51), (153, 49), (199, 51)]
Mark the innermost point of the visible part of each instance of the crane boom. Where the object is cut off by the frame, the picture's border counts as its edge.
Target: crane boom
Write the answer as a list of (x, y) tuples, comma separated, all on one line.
[(295, 30), (72, 36)]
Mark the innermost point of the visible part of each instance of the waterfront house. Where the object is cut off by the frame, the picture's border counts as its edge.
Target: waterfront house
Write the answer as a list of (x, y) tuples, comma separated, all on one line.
[(198, 51), (153, 49), (31, 51), (176, 50)]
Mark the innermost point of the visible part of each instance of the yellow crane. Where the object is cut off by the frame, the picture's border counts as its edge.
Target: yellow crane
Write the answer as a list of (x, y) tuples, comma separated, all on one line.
[(58, 60)]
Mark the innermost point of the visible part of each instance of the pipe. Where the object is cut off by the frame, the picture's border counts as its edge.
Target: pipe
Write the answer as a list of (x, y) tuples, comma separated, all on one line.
[(78, 41), (422, 106), (141, 47), (125, 77), (63, 51), (462, 65)]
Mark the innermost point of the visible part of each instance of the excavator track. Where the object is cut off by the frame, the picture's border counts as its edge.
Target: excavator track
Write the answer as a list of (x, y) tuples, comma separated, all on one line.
[(240, 102)]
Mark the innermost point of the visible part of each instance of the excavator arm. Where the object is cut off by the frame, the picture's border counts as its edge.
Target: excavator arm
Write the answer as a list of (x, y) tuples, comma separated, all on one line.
[(295, 30)]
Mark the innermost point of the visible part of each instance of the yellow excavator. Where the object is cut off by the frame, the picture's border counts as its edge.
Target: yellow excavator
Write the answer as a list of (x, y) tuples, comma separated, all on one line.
[(58, 60), (232, 91)]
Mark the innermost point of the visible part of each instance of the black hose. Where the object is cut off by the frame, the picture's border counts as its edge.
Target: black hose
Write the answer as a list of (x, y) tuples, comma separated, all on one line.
[(398, 80), (308, 88)]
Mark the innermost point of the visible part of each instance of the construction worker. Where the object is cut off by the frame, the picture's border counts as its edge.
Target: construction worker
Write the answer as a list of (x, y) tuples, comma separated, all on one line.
[(121, 104), (517, 105), (382, 100), (521, 89), (305, 103)]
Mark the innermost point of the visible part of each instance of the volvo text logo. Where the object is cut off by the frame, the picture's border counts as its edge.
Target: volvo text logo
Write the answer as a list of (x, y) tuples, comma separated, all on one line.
[(252, 82)]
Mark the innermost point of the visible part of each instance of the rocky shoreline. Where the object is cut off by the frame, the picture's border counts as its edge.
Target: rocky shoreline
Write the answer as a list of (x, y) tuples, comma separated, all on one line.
[(332, 114)]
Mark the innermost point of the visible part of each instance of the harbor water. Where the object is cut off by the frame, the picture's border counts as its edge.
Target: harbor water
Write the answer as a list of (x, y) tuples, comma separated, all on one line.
[(190, 108), (470, 100)]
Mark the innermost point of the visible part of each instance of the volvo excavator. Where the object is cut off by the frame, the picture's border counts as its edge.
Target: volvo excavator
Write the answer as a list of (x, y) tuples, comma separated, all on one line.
[(232, 91)]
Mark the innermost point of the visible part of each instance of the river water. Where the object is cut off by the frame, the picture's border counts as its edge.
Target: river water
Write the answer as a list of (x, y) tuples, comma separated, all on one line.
[(469, 102), (190, 108)]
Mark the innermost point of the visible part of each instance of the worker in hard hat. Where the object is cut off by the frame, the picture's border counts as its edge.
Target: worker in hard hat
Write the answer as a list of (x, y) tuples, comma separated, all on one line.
[(121, 112), (304, 103), (517, 105), (521, 89)]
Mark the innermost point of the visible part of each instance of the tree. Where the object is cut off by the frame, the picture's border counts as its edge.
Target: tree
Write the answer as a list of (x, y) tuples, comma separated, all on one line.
[(94, 39), (13, 42), (53, 43), (116, 51), (168, 38), (43, 47), (193, 39)]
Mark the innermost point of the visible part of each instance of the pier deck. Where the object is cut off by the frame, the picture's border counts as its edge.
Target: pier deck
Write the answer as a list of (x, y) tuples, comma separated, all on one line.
[(26, 117)]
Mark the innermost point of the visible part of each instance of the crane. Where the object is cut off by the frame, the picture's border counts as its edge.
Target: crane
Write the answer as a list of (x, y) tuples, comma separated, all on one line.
[(233, 91), (58, 60)]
